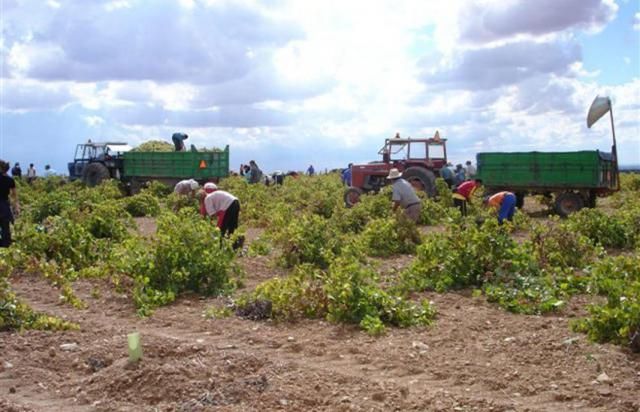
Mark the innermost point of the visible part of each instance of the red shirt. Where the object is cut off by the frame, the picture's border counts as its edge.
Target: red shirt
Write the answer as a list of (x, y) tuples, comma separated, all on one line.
[(467, 188)]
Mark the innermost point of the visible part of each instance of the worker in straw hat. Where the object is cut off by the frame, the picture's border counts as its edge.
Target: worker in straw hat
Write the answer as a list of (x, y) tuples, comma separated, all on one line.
[(404, 195)]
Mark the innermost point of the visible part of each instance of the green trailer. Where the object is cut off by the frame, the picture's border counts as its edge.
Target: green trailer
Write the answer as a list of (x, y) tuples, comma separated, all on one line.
[(574, 179), (171, 167), (95, 162)]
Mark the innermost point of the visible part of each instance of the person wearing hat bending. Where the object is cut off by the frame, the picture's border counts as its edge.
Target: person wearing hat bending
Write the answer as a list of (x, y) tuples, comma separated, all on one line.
[(186, 187), (505, 202), (223, 205), (404, 195)]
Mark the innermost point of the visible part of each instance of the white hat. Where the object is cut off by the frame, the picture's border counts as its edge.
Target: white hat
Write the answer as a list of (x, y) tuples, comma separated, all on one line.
[(210, 187), (394, 174), (194, 185)]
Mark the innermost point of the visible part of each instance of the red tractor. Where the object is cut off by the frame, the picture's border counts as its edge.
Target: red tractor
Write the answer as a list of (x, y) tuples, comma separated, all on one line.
[(419, 160)]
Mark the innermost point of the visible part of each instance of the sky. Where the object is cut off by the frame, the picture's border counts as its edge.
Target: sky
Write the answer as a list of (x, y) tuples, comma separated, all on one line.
[(291, 83)]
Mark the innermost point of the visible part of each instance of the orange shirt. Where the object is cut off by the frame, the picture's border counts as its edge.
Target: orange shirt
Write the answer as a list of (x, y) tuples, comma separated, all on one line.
[(496, 200)]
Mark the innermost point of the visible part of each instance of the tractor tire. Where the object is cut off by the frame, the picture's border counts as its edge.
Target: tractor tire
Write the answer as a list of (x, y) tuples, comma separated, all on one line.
[(95, 173), (567, 203), (421, 179), (352, 196)]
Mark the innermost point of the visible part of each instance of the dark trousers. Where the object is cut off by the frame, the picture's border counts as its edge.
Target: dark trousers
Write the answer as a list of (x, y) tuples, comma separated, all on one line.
[(6, 218), (461, 204), (230, 219)]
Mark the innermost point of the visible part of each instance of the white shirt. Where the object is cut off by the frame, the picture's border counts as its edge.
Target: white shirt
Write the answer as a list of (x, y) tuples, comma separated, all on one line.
[(31, 172), (183, 187), (470, 171), (218, 201)]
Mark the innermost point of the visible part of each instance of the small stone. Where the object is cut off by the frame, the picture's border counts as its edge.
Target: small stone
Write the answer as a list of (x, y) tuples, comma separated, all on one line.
[(199, 341), (345, 399), (553, 386), (509, 339), (420, 346), (603, 378), (8, 365), (52, 353), (291, 339), (12, 390), (283, 402), (604, 392), (69, 347)]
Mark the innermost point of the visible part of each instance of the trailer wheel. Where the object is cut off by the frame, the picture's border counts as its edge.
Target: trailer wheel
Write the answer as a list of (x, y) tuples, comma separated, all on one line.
[(590, 200), (567, 203), (352, 196), (94, 173), (421, 179)]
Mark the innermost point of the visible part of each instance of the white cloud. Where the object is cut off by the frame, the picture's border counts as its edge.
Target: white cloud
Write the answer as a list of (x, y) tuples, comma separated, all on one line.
[(636, 21), (316, 76), (94, 120)]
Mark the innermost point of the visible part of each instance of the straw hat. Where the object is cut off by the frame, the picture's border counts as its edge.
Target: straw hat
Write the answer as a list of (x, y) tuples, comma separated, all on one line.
[(394, 174)]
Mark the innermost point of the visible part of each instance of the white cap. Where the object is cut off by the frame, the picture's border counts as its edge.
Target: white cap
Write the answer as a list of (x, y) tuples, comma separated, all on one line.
[(210, 187), (194, 185)]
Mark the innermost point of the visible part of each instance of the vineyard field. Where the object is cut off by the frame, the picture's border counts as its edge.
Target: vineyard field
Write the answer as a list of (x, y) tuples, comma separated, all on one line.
[(326, 308)]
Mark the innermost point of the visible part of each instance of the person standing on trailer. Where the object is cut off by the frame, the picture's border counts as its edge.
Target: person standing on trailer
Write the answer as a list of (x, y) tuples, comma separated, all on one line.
[(178, 141)]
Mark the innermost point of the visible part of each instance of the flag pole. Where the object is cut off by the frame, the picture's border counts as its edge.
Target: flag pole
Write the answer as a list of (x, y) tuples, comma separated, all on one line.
[(614, 149)]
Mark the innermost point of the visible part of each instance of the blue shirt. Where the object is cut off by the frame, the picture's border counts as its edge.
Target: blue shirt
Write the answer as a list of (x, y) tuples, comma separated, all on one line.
[(346, 176), (446, 173)]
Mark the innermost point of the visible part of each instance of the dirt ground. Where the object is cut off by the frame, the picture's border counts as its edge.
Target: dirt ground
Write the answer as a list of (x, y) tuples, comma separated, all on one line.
[(476, 357)]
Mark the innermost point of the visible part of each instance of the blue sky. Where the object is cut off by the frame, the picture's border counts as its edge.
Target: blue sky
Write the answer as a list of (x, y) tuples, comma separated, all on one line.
[(292, 83)]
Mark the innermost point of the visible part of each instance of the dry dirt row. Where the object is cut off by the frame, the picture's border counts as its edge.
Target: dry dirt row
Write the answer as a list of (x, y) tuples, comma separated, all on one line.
[(476, 357)]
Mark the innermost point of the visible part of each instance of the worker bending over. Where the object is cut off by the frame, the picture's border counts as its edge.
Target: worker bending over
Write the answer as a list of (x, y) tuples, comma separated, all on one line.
[(505, 202), (223, 205)]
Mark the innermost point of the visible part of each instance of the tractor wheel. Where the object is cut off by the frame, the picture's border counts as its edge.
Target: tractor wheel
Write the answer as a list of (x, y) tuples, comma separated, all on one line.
[(352, 196), (421, 179), (567, 203), (94, 173)]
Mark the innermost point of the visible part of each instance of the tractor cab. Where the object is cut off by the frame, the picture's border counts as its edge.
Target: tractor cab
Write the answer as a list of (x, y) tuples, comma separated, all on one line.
[(430, 152), (107, 154)]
